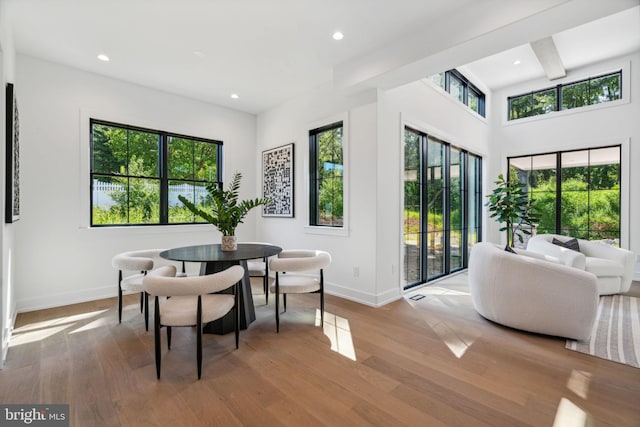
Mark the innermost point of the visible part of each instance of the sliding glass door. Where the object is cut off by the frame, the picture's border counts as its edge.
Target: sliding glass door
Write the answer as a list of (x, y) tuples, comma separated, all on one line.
[(442, 206)]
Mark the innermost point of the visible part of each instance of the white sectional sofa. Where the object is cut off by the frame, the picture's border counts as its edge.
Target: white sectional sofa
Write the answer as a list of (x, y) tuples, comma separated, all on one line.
[(612, 266), (527, 292)]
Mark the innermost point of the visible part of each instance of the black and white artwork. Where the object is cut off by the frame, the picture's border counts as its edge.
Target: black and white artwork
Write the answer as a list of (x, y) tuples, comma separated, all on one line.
[(12, 191), (277, 184)]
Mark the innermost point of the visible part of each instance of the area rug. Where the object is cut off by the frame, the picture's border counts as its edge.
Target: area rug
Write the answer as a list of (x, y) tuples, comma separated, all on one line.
[(616, 331)]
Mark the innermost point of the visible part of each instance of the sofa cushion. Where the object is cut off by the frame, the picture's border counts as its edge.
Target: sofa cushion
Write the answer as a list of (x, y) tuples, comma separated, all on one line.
[(569, 244), (603, 267)]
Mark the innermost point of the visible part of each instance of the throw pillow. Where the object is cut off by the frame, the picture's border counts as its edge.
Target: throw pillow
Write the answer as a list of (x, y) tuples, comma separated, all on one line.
[(509, 249), (569, 244)]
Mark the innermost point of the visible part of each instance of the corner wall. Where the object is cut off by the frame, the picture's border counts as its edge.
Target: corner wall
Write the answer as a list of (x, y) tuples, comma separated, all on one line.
[(352, 271), (58, 259), (424, 107), (375, 139)]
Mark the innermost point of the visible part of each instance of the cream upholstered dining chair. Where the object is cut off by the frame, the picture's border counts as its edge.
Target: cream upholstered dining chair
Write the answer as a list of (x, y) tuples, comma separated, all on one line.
[(259, 267), (139, 263), (192, 303), (304, 270)]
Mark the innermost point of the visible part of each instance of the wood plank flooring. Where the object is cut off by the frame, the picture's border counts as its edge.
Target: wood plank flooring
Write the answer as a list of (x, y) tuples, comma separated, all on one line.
[(431, 362)]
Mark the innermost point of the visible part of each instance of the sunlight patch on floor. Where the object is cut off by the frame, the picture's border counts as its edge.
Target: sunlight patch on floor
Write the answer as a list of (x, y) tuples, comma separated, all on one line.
[(338, 331), (570, 415), (578, 383), (38, 331), (92, 325), (457, 339), (36, 335)]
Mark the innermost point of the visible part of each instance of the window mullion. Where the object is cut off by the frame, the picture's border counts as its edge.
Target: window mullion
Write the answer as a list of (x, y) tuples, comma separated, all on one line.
[(164, 181)]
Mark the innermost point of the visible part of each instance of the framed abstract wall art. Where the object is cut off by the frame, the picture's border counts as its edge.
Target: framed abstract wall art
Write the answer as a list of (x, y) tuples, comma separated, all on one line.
[(277, 183), (12, 191)]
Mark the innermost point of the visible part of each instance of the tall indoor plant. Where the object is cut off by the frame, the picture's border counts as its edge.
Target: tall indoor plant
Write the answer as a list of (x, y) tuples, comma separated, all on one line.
[(509, 204), (225, 212)]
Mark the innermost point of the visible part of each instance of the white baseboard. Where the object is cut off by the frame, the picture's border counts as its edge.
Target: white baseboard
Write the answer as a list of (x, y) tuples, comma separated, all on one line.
[(360, 297), (65, 298)]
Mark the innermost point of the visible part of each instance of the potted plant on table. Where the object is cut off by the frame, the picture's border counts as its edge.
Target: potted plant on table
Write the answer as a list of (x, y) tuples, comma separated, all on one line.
[(510, 205), (225, 212)]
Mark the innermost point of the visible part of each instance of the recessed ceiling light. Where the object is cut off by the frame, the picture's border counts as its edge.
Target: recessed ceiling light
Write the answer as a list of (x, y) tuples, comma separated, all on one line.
[(103, 57), (198, 53), (234, 96), (338, 35), (516, 62)]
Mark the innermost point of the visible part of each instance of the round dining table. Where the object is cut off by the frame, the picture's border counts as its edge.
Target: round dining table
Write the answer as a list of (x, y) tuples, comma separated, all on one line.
[(213, 259)]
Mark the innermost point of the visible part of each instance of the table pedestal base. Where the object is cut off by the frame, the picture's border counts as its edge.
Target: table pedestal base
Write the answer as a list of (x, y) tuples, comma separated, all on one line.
[(224, 325)]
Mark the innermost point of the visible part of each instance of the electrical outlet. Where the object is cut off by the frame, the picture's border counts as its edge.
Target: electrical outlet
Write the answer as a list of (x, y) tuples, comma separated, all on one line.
[(356, 271)]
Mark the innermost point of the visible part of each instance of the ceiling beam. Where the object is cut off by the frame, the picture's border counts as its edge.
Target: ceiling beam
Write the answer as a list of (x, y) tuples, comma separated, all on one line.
[(547, 54)]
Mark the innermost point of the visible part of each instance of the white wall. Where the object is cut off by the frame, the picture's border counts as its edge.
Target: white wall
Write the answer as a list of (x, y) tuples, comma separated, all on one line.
[(605, 124), (7, 294), (58, 260)]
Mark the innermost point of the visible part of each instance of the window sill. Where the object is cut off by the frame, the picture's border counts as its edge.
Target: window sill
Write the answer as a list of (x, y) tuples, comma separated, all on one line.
[(327, 231)]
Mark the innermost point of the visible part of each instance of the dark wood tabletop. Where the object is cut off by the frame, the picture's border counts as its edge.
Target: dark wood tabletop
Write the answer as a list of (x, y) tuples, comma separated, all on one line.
[(214, 252)]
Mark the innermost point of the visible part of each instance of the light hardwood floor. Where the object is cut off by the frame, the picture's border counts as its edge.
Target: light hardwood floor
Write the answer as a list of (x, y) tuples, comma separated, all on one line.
[(432, 362)]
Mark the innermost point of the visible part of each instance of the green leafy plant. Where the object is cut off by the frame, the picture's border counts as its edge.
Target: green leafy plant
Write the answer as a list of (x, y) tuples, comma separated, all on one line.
[(225, 212), (509, 204)]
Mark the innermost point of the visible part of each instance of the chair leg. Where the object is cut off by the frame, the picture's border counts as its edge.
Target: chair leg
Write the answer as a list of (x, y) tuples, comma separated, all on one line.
[(169, 330), (236, 315), (284, 299), (199, 334), (265, 287), (321, 299), (141, 302), (119, 304), (119, 296), (277, 304), (156, 328), (146, 311), (265, 283)]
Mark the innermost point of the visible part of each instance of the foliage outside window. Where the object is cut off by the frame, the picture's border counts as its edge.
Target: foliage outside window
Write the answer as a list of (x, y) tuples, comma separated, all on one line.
[(326, 176), (462, 89), (137, 174), (591, 91), (576, 193)]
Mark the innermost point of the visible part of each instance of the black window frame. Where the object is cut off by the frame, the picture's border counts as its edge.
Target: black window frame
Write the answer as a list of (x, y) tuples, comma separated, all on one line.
[(558, 190), (467, 86), (313, 175), (163, 171), (559, 92)]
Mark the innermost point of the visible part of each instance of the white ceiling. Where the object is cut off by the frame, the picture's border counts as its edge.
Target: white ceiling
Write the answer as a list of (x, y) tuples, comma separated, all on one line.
[(608, 37), (268, 51)]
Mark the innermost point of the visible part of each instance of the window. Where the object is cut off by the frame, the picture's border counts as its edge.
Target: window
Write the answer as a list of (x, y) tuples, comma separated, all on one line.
[(326, 176), (591, 91), (462, 89), (577, 193), (137, 174), (442, 207)]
